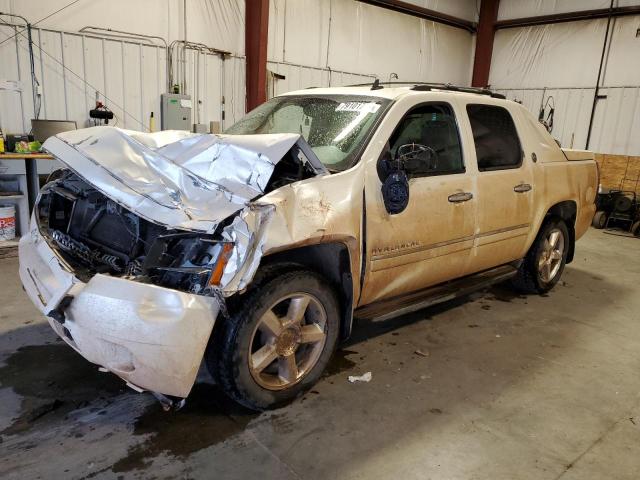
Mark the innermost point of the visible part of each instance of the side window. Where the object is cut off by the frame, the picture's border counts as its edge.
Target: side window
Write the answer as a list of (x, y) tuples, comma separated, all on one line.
[(431, 128), (495, 137)]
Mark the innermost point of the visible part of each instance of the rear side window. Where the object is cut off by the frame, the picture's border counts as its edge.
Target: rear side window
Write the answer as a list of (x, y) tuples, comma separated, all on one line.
[(495, 137)]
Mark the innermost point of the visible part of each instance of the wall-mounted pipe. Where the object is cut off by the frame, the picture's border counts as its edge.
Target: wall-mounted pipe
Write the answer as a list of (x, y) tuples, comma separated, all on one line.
[(181, 46), (34, 81), (110, 32), (596, 93)]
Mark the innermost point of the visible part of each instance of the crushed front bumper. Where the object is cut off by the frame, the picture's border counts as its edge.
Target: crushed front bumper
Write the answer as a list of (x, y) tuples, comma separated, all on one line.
[(152, 337)]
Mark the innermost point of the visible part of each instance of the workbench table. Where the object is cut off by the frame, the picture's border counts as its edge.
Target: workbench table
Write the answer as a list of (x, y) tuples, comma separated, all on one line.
[(31, 171)]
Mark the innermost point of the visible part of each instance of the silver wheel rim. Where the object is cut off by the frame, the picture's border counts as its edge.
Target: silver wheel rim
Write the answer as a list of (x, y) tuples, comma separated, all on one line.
[(287, 341), (550, 259)]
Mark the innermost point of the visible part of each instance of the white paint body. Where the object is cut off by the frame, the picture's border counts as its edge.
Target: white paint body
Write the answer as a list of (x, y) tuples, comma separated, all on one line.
[(152, 337), (155, 337)]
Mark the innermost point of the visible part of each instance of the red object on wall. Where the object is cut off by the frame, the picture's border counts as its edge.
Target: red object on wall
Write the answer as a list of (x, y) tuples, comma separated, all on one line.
[(484, 42), (256, 34)]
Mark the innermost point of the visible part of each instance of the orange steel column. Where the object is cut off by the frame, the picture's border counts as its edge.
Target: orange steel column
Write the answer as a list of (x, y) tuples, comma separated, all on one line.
[(256, 33), (484, 42)]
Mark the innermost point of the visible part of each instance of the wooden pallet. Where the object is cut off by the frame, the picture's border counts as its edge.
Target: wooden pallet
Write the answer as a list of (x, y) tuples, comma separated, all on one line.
[(620, 172)]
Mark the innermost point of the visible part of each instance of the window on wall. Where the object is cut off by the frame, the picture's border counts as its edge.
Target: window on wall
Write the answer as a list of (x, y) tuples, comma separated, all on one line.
[(432, 126), (495, 137)]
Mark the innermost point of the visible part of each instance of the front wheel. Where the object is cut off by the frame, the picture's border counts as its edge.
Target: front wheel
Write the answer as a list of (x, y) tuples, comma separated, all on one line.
[(545, 261), (278, 341)]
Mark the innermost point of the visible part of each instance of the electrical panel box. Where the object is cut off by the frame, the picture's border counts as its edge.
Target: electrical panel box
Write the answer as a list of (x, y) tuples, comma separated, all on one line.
[(175, 110)]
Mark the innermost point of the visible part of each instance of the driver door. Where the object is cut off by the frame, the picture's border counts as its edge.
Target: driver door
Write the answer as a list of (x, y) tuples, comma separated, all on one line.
[(431, 240)]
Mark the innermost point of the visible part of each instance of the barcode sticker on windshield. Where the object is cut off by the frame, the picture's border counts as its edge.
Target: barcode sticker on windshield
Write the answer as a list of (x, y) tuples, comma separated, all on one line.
[(358, 107)]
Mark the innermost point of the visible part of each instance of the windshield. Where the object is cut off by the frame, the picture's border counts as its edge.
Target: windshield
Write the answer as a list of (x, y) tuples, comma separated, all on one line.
[(335, 126)]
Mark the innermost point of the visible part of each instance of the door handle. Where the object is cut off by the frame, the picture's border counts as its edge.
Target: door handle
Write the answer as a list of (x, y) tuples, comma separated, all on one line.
[(460, 197), (522, 188)]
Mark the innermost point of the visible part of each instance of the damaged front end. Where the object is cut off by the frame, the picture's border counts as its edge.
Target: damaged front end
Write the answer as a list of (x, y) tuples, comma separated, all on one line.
[(95, 235), (134, 247)]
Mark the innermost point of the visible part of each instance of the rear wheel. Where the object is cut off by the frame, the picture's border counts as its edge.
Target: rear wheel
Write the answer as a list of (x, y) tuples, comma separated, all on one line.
[(599, 219), (545, 261), (635, 229), (278, 342)]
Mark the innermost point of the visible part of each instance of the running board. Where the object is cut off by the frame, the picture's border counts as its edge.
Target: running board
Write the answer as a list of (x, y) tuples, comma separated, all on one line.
[(394, 307)]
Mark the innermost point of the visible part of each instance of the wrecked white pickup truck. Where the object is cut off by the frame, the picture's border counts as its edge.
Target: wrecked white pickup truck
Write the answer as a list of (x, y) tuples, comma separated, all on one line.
[(255, 249)]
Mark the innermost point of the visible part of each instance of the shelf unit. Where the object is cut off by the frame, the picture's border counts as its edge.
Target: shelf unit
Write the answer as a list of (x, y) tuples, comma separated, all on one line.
[(13, 178)]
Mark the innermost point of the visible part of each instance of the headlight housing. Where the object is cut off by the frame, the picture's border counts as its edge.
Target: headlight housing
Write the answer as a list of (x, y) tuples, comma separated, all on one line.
[(187, 261)]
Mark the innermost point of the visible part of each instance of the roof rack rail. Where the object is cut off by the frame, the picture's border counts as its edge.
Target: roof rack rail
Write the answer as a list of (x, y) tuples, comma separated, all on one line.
[(455, 88), (426, 86)]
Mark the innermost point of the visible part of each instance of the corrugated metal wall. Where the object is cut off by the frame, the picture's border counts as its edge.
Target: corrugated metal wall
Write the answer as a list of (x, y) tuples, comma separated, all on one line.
[(71, 67), (615, 124), (298, 77), (215, 84), (352, 36), (129, 76), (565, 58)]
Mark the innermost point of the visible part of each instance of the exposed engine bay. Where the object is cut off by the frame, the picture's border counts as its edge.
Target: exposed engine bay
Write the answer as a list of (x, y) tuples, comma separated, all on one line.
[(94, 234), (167, 208)]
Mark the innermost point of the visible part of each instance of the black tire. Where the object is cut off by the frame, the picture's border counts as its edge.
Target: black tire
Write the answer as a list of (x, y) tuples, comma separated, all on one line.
[(635, 229), (227, 357), (529, 278), (622, 203), (599, 219)]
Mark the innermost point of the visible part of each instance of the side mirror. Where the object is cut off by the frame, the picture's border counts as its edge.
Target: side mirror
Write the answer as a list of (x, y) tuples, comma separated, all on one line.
[(411, 158), (395, 192)]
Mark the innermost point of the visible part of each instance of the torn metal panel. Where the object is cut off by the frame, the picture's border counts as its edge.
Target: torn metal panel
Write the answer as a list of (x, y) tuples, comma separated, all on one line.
[(247, 233), (178, 179), (319, 211)]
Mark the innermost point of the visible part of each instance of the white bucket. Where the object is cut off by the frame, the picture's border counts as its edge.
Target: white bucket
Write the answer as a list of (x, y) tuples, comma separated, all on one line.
[(7, 222)]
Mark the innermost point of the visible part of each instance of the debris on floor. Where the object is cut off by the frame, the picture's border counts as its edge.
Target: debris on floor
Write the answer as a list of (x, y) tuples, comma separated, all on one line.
[(421, 353), (366, 377)]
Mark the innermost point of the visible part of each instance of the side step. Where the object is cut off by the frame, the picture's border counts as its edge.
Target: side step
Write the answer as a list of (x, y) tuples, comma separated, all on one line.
[(394, 307)]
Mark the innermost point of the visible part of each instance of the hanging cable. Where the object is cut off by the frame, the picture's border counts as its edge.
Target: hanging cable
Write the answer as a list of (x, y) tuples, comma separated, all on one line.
[(41, 20), (111, 102), (34, 80)]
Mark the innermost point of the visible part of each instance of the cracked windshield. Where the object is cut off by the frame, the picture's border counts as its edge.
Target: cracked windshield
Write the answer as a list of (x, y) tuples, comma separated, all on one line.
[(335, 126)]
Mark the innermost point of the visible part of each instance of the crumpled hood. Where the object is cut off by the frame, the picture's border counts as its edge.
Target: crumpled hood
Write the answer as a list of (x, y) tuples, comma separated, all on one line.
[(175, 178)]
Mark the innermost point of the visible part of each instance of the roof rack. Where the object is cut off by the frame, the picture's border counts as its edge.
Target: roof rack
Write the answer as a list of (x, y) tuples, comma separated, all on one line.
[(426, 86)]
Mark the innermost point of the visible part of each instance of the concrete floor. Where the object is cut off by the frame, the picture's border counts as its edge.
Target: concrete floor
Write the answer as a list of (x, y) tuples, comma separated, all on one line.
[(513, 387)]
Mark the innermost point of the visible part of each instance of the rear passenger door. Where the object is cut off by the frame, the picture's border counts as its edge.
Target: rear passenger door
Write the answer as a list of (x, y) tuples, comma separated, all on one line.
[(504, 187)]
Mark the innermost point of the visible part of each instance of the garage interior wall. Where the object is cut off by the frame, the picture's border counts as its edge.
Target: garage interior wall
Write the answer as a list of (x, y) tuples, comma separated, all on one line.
[(337, 42), (531, 64), (306, 46), (129, 73)]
